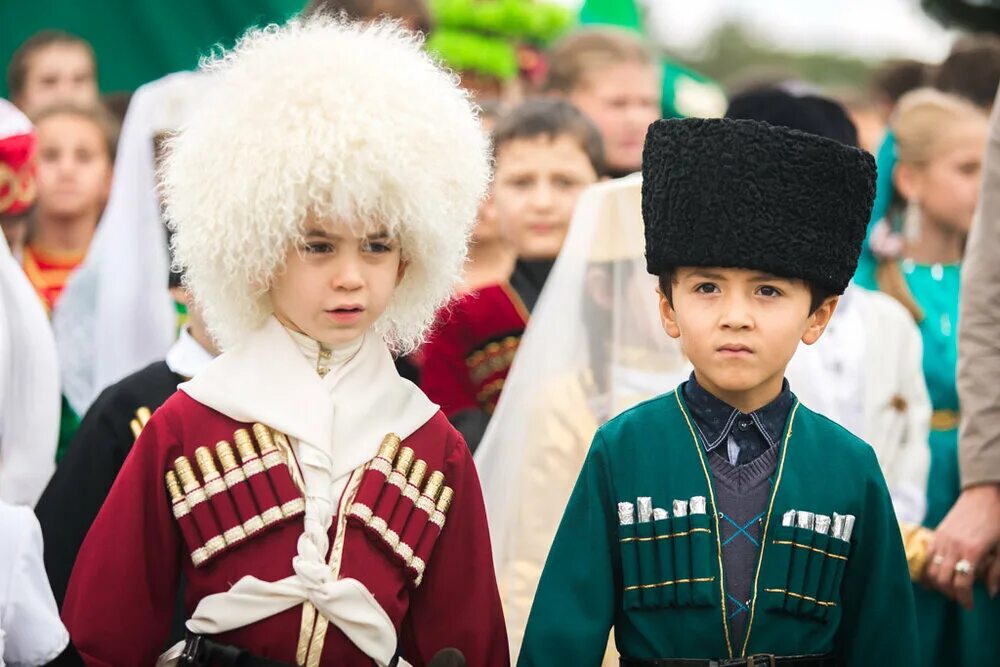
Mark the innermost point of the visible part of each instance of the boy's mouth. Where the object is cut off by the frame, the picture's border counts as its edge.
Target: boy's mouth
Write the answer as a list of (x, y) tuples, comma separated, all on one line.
[(735, 350), (346, 313)]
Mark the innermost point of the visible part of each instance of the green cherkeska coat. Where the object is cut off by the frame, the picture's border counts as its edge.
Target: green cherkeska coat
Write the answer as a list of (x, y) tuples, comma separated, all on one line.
[(660, 584)]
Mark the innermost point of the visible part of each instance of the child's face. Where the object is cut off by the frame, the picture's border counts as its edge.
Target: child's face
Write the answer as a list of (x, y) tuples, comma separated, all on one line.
[(535, 188), (947, 188), (740, 328), (73, 167), (59, 73), (622, 100), (335, 285)]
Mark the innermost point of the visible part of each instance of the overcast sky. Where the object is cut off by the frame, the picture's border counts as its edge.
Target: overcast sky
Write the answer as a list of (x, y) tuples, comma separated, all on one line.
[(871, 28)]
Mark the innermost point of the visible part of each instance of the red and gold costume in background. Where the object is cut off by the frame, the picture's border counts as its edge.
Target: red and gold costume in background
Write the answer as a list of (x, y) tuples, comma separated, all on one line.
[(49, 272), (340, 554), (466, 361)]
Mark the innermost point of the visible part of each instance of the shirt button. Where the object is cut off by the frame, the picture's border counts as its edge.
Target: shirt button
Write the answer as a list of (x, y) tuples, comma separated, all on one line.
[(743, 425)]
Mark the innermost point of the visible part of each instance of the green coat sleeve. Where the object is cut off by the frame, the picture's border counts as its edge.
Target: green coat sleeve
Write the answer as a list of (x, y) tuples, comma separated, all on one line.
[(879, 623), (574, 606)]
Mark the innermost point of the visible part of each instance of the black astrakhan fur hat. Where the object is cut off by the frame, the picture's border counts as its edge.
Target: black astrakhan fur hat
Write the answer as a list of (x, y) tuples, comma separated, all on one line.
[(746, 194)]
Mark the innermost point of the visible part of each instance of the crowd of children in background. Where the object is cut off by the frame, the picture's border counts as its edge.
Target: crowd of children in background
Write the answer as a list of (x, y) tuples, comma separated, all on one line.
[(548, 336)]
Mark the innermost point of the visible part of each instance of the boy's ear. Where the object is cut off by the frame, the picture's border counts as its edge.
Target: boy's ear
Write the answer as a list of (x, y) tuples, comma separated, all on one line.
[(668, 318), (819, 320), (401, 271)]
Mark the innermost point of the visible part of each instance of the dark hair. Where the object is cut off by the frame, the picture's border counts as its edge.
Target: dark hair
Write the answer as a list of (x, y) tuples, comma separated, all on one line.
[(96, 114), (371, 10), (815, 114), (17, 69), (898, 77), (817, 294), (550, 117), (971, 70)]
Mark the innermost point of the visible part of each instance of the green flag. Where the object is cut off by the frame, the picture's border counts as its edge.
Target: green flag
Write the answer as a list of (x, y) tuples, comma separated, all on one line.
[(622, 13)]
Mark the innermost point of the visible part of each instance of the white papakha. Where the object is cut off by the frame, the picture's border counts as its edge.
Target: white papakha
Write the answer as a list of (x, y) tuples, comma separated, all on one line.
[(321, 117)]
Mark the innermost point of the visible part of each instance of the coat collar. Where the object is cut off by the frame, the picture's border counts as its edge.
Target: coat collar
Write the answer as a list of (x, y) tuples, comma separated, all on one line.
[(345, 415)]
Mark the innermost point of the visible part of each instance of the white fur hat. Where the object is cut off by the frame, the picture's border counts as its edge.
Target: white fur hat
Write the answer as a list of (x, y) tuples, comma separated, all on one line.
[(320, 116)]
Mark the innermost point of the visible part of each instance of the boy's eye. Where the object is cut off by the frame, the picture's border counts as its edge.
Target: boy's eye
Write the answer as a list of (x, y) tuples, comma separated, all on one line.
[(377, 247), (318, 248), (706, 288), (768, 290)]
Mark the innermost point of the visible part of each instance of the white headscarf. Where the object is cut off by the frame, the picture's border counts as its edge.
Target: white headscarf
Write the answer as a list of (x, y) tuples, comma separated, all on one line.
[(116, 315), (596, 329), (29, 374)]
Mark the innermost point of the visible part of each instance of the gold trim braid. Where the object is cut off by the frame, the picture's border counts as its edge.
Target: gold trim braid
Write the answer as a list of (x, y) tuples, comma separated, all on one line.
[(661, 584), (664, 537), (315, 650), (767, 523), (715, 516)]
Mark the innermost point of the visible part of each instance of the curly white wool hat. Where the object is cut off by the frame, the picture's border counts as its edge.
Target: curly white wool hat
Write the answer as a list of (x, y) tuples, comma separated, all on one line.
[(345, 121)]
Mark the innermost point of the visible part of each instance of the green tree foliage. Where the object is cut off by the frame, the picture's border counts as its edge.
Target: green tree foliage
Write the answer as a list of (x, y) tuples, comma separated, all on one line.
[(732, 54)]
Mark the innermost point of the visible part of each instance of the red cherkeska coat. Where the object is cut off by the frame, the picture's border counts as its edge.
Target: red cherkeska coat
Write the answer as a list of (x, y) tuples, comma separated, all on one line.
[(122, 591)]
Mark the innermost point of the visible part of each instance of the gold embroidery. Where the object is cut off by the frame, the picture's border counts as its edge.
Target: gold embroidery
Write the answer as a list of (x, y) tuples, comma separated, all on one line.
[(281, 442), (664, 537), (800, 597), (293, 507), (806, 546), (336, 558), (363, 512), (215, 545), (715, 516), (944, 420), (661, 584), (271, 515), (142, 416), (767, 523), (253, 525)]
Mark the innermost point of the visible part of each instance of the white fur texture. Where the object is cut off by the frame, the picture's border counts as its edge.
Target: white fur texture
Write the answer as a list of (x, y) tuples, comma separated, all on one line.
[(345, 121)]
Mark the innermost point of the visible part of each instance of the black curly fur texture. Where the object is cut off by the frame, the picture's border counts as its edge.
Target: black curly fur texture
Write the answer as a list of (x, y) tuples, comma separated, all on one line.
[(746, 194)]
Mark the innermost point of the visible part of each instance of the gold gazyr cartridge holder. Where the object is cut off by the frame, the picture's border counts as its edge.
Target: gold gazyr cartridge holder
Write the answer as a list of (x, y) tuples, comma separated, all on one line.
[(290, 500), (200, 510), (417, 521), (391, 492), (182, 512), (236, 481), (260, 485), (142, 417), (418, 564), (219, 498), (406, 503)]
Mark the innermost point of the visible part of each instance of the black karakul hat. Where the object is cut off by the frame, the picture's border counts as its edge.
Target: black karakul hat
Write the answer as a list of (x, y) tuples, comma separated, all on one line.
[(745, 194)]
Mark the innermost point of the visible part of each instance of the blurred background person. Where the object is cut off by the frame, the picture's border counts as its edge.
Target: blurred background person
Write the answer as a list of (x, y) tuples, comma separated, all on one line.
[(76, 148), (29, 375), (545, 153), (940, 141), (52, 67), (611, 75)]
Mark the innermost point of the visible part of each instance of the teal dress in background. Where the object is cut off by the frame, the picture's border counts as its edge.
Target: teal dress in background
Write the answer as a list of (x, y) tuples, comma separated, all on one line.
[(949, 635), (885, 161)]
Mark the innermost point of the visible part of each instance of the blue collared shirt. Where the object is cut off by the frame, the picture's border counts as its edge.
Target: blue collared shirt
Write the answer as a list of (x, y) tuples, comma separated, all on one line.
[(745, 436)]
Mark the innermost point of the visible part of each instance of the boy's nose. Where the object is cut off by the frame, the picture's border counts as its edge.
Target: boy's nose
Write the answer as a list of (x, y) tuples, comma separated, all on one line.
[(543, 196), (348, 276), (737, 314)]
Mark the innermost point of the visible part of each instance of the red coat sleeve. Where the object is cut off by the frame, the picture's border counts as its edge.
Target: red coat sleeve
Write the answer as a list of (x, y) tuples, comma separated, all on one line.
[(458, 603), (122, 592), (444, 376)]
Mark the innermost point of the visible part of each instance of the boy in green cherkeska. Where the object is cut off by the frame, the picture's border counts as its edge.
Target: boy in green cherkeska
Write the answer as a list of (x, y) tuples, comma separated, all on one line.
[(724, 523)]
